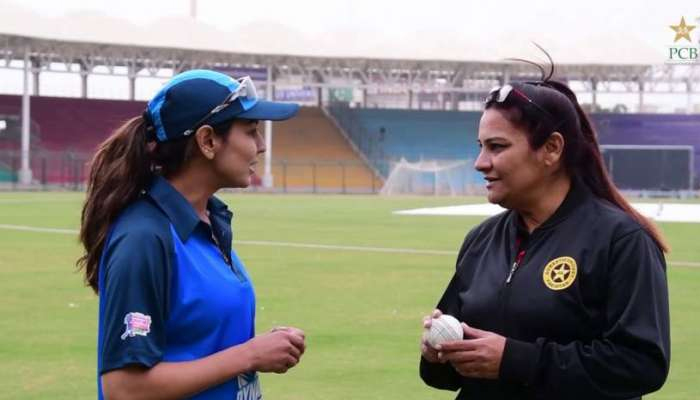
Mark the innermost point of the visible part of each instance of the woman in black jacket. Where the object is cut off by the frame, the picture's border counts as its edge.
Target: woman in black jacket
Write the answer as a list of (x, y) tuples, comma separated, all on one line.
[(564, 295)]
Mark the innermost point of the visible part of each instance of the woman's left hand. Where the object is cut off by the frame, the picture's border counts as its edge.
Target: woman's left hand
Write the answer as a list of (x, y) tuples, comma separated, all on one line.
[(478, 356)]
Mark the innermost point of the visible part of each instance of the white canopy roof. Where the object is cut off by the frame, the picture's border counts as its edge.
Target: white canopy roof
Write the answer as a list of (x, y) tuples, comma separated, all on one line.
[(595, 47)]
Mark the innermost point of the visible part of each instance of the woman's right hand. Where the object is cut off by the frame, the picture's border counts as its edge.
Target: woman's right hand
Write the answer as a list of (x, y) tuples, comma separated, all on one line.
[(427, 351), (277, 350)]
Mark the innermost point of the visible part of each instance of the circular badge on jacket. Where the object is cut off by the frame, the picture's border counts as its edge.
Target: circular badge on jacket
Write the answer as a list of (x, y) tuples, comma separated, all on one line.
[(559, 273)]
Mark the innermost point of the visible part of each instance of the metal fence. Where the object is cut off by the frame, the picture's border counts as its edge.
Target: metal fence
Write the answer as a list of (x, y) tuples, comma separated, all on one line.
[(67, 170), (322, 177), (50, 170)]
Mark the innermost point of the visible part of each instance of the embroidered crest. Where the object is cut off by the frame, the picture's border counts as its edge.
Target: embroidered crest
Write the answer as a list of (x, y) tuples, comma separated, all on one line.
[(560, 273), (136, 324)]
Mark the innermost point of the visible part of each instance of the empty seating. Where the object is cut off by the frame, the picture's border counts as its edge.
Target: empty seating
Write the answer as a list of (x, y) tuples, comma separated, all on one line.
[(388, 135), (310, 153)]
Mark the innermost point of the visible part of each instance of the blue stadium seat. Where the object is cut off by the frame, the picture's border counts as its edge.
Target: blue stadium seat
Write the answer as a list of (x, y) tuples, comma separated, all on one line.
[(386, 135)]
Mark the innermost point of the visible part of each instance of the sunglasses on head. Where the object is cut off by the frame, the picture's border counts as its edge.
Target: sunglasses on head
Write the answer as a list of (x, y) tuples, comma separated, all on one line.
[(245, 90), (499, 94)]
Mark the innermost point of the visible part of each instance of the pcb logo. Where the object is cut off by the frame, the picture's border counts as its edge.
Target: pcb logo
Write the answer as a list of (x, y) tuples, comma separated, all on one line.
[(684, 52), (560, 273)]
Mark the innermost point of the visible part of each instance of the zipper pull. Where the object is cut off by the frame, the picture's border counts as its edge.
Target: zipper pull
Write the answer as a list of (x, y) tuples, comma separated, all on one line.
[(512, 271)]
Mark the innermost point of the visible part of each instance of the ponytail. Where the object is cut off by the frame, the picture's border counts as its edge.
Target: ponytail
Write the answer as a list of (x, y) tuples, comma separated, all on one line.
[(123, 166), (591, 170), (119, 171), (586, 162)]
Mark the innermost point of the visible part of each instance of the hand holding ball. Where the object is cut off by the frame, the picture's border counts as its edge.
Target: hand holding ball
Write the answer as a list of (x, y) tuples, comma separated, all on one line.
[(445, 328)]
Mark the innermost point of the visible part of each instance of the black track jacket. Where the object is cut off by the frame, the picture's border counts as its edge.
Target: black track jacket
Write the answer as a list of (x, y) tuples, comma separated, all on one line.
[(585, 313)]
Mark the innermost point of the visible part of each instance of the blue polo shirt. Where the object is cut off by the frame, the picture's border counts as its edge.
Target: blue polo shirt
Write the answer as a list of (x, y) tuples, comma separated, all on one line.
[(172, 289)]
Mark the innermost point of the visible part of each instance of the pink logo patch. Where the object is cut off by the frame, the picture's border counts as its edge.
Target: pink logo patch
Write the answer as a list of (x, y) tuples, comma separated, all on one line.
[(136, 324)]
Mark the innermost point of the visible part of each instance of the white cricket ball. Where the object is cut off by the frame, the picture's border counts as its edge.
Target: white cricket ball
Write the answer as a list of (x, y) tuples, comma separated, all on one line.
[(444, 329)]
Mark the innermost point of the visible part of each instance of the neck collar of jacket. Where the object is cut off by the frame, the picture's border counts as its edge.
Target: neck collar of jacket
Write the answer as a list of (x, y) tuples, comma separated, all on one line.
[(179, 211), (577, 195)]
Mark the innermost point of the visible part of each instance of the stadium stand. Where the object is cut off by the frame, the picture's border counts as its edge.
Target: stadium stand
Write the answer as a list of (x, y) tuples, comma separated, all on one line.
[(386, 135), (310, 153), (63, 123), (64, 133), (429, 140)]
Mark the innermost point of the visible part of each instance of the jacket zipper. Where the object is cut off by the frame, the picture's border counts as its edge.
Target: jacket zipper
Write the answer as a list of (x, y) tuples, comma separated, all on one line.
[(512, 271), (505, 291), (518, 259), (515, 266)]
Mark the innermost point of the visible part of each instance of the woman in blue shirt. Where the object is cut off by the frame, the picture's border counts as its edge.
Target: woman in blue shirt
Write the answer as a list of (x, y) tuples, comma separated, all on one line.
[(177, 307)]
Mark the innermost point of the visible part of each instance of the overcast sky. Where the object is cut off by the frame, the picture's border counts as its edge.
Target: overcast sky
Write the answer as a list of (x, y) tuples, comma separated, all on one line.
[(645, 19), (616, 31)]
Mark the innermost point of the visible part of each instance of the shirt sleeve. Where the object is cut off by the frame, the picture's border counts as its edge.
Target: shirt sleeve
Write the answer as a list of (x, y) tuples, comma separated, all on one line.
[(437, 375), (133, 299), (632, 355)]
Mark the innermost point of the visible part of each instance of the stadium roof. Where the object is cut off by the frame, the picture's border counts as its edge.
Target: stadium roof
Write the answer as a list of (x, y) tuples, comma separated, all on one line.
[(277, 38), (91, 40)]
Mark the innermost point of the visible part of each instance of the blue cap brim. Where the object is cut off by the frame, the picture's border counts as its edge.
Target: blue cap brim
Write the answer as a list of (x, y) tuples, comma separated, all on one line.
[(270, 110)]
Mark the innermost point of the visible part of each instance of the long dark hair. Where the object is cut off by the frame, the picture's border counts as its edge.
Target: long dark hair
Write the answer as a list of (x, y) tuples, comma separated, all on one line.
[(582, 157), (120, 170)]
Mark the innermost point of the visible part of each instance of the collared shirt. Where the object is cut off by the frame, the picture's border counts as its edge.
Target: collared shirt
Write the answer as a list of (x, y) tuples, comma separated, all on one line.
[(172, 289)]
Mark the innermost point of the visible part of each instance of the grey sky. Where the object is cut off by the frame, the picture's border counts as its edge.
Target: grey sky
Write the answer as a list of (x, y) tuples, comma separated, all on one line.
[(604, 31)]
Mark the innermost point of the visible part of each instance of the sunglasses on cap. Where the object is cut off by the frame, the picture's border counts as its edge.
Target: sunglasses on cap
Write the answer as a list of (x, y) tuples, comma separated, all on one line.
[(245, 90), (500, 94)]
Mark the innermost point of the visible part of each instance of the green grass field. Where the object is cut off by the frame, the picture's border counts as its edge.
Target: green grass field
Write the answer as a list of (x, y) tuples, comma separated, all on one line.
[(361, 310)]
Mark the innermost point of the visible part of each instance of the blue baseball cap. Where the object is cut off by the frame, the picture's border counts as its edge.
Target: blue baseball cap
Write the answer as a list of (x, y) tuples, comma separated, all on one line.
[(198, 97)]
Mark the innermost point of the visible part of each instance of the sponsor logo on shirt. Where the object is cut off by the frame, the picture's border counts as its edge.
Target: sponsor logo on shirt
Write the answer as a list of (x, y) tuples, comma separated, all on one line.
[(248, 387), (560, 273), (136, 324)]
